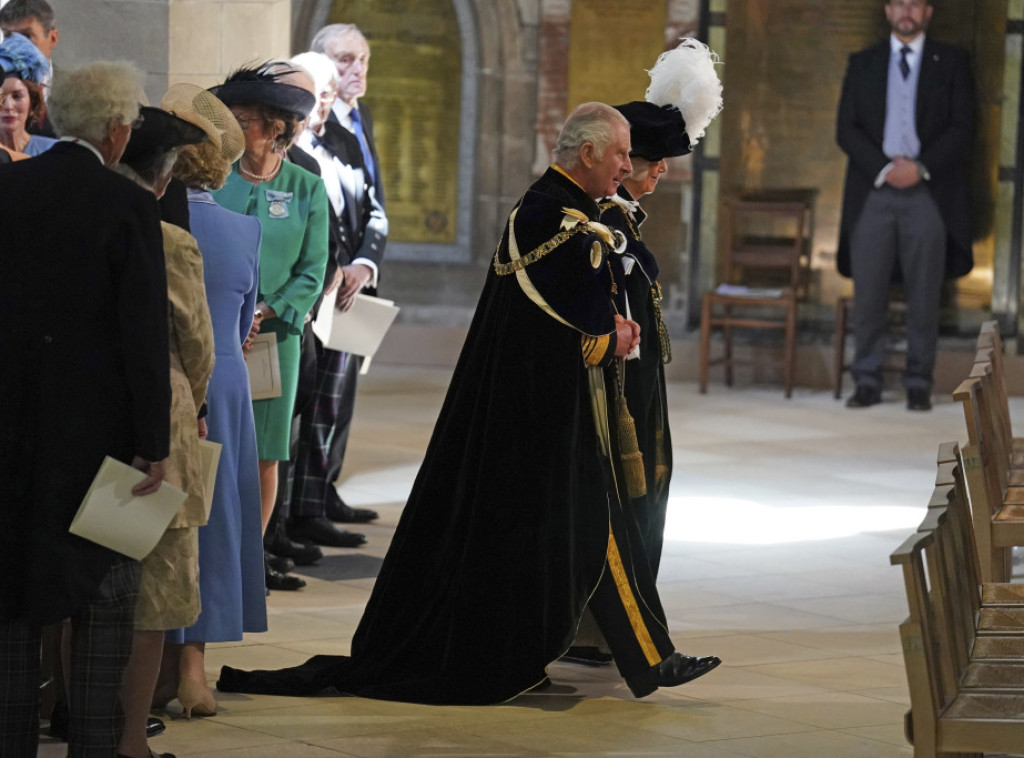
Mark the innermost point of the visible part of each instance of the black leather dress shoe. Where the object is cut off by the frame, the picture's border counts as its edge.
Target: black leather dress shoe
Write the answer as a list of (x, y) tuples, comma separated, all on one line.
[(588, 655), (280, 562), (918, 400), (864, 397), (60, 721), (154, 726), (302, 554), (337, 509), (675, 670), (284, 582), (320, 531)]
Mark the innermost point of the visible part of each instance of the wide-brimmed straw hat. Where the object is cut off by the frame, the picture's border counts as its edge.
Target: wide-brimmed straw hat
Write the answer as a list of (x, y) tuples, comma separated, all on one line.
[(247, 86), (202, 108)]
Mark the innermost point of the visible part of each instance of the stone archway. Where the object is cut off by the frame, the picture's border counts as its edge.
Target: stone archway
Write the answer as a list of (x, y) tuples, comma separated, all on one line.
[(496, 107)]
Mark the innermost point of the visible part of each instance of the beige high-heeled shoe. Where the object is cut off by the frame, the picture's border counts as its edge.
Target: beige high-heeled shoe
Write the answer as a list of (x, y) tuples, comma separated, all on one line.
[(196, 698)]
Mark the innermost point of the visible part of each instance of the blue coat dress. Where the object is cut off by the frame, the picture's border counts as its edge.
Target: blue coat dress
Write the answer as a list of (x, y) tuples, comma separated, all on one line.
[(231, 580)]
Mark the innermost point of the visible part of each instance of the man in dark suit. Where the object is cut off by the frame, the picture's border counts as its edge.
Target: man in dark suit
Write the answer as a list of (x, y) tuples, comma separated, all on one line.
[(85, 374), (347, 47), (358, 234), (905, 122)]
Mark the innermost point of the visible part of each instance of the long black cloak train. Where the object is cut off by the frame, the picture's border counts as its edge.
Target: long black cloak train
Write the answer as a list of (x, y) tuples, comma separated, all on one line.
[(505, 532)]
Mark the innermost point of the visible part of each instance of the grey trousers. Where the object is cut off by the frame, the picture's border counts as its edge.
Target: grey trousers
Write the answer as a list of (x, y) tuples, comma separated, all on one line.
[(904, 227)]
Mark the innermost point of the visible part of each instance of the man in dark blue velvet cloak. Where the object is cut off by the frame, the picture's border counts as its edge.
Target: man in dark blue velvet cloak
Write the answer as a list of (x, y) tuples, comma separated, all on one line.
[(515, 522)]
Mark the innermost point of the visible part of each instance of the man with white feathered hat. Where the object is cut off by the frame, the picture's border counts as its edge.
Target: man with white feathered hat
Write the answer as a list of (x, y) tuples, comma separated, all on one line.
[(519, 518)]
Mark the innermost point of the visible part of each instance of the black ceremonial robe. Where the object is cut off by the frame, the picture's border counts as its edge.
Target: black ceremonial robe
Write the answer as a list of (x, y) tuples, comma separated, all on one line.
[(504, 536), (644, 384)]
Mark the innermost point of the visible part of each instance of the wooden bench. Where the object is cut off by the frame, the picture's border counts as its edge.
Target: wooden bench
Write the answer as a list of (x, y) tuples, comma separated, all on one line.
[(998, 508), (990, 350), (996, 607), (966, 688)]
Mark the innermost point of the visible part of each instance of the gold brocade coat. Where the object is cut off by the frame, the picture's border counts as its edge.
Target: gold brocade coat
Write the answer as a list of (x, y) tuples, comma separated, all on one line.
[(191, 348)]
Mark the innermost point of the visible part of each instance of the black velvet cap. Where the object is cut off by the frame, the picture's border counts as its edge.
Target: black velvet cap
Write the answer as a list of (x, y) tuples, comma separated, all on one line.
[(247, 86), (159, 132), (655, 131)]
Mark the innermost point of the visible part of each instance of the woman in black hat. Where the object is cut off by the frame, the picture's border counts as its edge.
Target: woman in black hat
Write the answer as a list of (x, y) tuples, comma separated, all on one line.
[(291, 204), (169, 590), (684, 96), (656, 134)]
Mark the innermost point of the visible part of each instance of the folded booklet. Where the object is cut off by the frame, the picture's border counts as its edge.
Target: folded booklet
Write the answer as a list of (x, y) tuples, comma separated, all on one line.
[(111, 516), (210, 454), (360, 329), (264, 367)]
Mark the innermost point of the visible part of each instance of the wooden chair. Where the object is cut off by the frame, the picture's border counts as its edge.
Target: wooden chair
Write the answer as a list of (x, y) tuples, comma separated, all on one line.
[(997, 516), (962, 704), (767, 258), (896, 352)]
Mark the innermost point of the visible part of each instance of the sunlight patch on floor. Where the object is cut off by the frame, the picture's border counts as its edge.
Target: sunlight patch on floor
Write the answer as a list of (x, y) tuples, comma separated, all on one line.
[(745, 522)]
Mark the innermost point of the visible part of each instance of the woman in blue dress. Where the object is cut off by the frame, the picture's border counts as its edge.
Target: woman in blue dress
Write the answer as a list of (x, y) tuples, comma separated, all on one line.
[(231, 579)]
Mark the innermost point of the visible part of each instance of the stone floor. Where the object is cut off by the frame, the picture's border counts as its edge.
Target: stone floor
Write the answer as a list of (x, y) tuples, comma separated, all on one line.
[(782, 519)]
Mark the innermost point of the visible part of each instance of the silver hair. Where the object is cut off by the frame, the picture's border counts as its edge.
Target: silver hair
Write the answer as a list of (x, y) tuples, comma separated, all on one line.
[(84, 100), (590, 122), (320, 67), (329, 32)]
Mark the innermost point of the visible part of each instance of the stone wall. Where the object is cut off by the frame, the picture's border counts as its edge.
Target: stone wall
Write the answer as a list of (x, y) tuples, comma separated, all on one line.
[(197, 41)]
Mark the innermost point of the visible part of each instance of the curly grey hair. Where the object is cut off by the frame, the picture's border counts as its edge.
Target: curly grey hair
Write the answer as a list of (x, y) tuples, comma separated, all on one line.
[(84, 100)]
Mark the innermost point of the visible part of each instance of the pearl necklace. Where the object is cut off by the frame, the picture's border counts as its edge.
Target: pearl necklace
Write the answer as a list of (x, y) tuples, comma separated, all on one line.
[(262, 177)]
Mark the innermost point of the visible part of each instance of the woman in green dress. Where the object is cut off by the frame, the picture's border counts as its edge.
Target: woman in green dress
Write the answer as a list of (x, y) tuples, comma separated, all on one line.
[(291, 204)]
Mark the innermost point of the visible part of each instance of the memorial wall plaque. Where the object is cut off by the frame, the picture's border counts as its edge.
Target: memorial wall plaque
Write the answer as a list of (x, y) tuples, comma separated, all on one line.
[(414, 93), (612, 43)]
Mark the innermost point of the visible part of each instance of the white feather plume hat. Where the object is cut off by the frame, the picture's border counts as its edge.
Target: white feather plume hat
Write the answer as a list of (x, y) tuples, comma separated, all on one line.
[(685, 78)]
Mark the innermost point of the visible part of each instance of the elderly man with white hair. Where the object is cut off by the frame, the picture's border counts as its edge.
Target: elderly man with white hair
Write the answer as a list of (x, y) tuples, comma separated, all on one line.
[(519, 517), (349, 50), (359, 229), (85, 374)]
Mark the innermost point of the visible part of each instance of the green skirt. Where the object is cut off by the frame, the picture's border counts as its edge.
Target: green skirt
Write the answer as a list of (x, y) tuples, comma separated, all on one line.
[(273, 417)]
